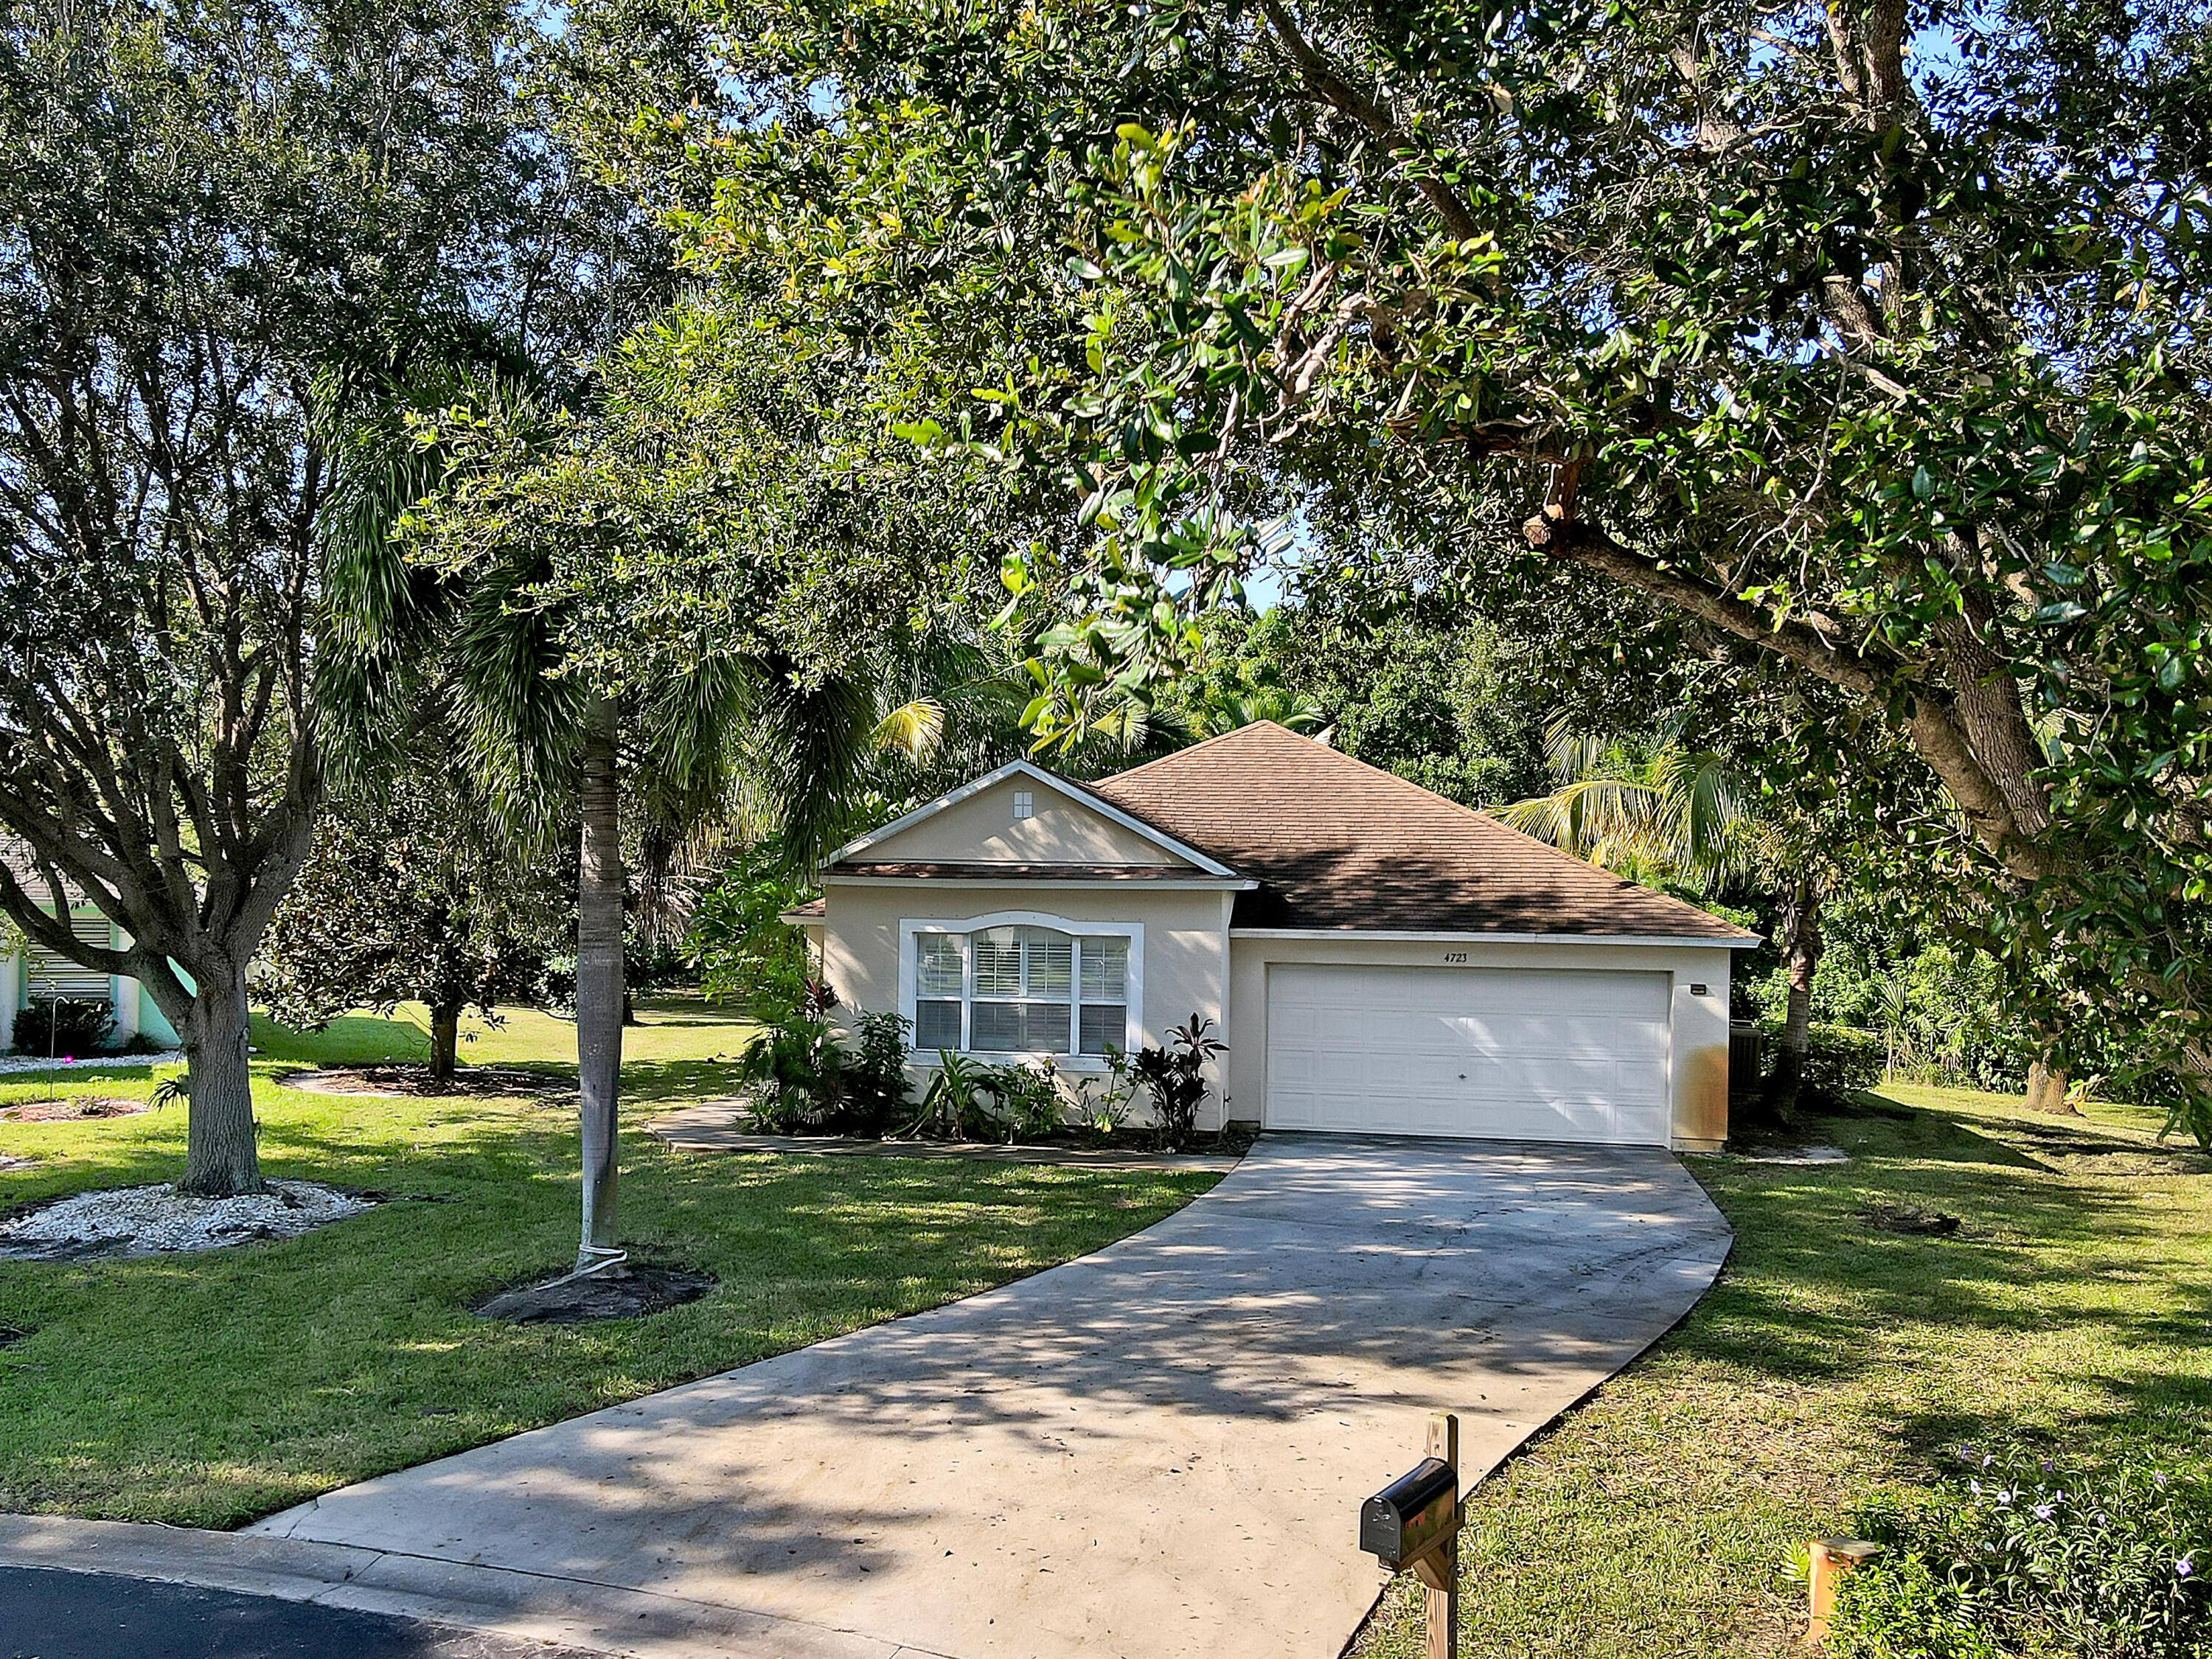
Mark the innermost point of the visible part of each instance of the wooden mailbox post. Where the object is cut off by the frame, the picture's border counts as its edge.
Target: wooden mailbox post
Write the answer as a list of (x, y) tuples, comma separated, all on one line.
[(1413, 1526)]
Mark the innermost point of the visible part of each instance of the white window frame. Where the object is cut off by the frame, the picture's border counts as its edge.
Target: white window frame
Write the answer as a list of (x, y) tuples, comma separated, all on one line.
[(911, 927)]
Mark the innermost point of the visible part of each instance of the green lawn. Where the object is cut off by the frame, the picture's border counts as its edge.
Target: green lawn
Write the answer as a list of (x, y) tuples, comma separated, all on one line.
[(212, 1388), (2068, 1313)]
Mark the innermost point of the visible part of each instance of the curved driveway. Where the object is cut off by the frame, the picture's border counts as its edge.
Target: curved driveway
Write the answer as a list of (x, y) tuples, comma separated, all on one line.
[(1157, 1451)]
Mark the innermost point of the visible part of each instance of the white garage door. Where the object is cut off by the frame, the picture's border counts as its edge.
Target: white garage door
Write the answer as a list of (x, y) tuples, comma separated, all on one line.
[(1533, 1054)]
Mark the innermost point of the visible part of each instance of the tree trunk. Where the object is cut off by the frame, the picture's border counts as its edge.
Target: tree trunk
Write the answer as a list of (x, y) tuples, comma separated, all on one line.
[(1801, 946), (2046, 1089), (444, 1042), (221, 1160), (600, 976)]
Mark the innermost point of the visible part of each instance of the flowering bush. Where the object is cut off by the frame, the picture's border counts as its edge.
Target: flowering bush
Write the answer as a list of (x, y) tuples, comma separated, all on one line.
[(2016, 1557)]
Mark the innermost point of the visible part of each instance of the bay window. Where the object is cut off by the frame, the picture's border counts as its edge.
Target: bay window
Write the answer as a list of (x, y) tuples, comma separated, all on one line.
[(1020, 989)]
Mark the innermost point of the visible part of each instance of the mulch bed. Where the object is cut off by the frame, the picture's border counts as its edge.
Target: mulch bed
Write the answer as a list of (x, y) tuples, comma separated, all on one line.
[(628, 1290), (415, 1081), (1909, 1219), (73, 1109)]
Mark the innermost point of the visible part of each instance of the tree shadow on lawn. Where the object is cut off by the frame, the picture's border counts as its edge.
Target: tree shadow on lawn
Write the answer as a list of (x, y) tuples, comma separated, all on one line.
[(242, 1380), (1815, 1284)]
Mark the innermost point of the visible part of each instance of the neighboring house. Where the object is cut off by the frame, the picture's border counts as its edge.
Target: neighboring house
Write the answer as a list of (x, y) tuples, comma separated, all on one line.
[(1377, 959), (38, 972)]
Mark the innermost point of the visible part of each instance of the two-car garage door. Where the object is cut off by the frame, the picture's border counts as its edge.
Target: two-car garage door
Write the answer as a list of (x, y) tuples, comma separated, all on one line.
[(1534, 1055)]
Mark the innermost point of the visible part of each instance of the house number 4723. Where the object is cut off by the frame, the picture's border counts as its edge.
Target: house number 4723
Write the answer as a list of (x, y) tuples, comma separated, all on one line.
[(1455, 959)]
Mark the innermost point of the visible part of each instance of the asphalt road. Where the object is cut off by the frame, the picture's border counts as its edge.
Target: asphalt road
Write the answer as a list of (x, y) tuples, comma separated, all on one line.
[(46, 1613)]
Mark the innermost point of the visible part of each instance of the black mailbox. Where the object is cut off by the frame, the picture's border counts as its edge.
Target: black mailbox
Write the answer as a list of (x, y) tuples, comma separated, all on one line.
[(1411, 1515)]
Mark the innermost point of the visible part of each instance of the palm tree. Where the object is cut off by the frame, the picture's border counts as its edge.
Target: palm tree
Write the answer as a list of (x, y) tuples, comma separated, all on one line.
[(469, 641), (1660, 810)]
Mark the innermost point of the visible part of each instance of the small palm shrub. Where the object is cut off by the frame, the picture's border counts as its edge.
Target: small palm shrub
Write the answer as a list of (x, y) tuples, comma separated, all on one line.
[(796, 1068), (2016, 1557), (953, 1103), (1174, 1076), (63, 1027)]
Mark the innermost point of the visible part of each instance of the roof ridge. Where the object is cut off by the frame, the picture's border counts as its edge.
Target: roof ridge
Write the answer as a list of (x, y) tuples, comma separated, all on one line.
[(1561, 858), (1208, 743)]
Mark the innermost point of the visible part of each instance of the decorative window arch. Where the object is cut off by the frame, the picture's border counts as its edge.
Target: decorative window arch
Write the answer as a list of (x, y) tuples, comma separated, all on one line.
[(1024, 984)]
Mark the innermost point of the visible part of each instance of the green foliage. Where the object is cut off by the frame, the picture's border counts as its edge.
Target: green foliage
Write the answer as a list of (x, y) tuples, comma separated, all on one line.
[(796, 1068), (229, 224), (954, 1102), (1026, 1103), (1943, 1011), (1656, 811), (1870, 382), (64, 1026), (1840, 1060), (1174, 1077), (412, 895), (1455, 707), (2018, 1556), (746, 954), (1103, 1104), (1904, 1609), (877, 1095)]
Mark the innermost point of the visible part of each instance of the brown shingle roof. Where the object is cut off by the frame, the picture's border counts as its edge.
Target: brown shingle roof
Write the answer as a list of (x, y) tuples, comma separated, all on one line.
[(1338, 844)]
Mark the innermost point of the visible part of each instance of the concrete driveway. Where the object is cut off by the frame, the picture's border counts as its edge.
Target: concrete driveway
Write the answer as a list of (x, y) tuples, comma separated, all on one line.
[(1157, 1451)]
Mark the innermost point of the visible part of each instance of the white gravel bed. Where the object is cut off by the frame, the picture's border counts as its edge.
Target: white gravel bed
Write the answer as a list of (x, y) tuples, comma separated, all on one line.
[(32, 1063), (151, 1221)]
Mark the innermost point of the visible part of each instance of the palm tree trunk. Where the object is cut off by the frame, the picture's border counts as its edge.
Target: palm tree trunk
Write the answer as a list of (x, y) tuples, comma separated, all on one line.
[(221, 1160), (600, 976), (1799, 924)]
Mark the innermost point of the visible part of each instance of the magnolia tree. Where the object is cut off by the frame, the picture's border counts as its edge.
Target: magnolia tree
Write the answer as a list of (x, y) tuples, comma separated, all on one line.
[(1856, 348), (410, 895)]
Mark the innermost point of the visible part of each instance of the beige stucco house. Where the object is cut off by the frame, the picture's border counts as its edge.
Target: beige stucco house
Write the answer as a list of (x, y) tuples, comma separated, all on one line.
[(1378, 959)]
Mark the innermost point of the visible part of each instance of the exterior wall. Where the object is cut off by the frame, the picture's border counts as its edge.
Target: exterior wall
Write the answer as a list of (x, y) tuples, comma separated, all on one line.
[(1186, 935), (1698, 1057), (983, 829)]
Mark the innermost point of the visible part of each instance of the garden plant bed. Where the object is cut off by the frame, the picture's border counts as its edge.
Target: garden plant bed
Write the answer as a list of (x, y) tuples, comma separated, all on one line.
[(724, 1126), (628, 1289), (405, 1082), (155, 1220), (73, 1108), (15, 1065)]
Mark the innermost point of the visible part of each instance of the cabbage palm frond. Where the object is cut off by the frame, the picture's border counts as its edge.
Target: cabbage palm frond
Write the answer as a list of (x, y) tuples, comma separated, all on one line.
[(915, 729), (804, 751), (1669, 811)]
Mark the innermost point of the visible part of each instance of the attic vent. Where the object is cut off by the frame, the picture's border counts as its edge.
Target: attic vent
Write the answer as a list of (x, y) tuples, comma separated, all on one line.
[(1024, 804)]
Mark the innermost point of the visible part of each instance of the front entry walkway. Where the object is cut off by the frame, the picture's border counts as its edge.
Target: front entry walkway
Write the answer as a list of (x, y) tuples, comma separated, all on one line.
[(1157, 1451)]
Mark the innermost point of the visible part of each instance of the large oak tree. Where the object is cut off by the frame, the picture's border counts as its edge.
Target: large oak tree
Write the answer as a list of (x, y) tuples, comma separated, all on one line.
[(1858, 348), (223, 219)]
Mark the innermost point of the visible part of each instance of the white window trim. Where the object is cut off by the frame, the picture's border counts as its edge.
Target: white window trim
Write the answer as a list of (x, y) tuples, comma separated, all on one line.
[(910, 927)]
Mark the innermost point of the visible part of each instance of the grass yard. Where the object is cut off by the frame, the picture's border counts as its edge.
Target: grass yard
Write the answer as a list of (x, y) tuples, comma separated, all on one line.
[(209, 1389), (2068, 1313)]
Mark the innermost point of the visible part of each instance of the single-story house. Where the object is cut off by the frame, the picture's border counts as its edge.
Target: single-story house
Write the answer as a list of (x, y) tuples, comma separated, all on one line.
[(1378, 959), (31, 971)]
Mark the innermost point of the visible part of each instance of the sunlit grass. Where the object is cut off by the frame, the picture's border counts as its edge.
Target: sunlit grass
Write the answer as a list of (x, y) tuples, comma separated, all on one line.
[(211, 1388), (2069, 1312)]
